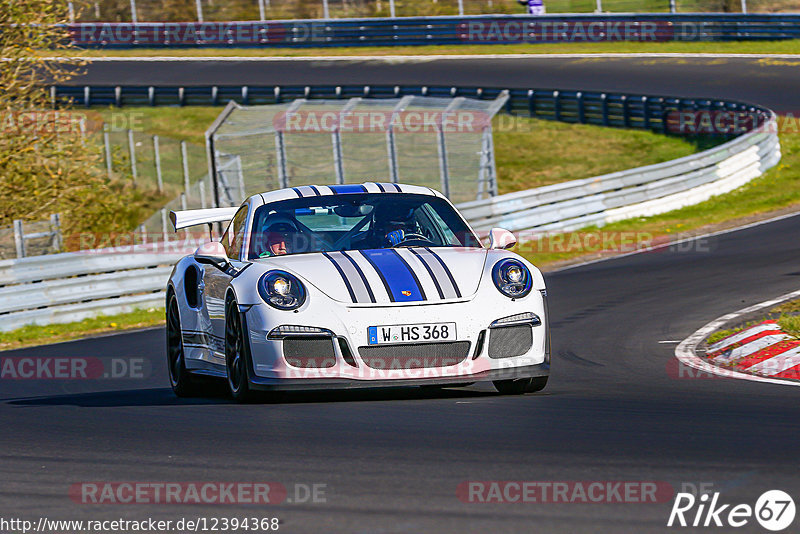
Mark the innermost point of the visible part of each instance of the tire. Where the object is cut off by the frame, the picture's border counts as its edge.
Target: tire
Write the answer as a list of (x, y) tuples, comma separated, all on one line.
[(181, 380), (520, 386), (236, 355)]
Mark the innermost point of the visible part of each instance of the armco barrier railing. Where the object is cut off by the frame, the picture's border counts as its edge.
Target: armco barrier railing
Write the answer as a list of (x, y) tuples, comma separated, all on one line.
[(447, 30), (643, 191), (68, 287), (73, 286), (656, 113)]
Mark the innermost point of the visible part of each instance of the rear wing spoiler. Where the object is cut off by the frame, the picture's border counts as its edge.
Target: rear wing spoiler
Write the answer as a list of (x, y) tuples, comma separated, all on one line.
[(187, 218)]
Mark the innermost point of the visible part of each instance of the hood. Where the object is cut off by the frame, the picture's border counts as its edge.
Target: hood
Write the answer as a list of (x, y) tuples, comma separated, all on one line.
[(386, 276)]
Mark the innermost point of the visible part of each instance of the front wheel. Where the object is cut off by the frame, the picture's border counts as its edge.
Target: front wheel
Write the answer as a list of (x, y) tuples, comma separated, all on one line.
[(236, 355)]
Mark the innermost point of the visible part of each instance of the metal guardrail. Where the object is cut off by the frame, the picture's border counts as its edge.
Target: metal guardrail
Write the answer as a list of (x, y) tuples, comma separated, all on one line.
[(441, 30), (72, 286), (643, 191), (650, 112)]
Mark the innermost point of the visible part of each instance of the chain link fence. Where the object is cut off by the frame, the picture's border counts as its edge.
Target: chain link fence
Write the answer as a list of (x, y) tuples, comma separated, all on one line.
[(242, 10), (443, 143)]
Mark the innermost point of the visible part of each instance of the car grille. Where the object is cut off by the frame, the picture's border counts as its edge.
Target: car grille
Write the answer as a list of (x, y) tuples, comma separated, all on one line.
[(510, 341), (309, 352), (416, 356)]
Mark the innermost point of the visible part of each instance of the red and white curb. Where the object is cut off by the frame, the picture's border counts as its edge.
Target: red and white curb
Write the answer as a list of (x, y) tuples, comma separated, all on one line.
[(763, 350), (762, 353)]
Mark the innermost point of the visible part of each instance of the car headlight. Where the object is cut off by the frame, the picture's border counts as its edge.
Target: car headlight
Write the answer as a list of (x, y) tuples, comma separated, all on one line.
[(512, 278), (281, 290)]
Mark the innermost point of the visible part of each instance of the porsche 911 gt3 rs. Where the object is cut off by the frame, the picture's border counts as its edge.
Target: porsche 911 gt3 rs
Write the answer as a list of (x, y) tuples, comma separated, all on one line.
[(358, 285)]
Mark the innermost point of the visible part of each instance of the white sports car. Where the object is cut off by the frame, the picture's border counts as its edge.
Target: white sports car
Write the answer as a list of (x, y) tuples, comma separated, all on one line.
[(358, 285)]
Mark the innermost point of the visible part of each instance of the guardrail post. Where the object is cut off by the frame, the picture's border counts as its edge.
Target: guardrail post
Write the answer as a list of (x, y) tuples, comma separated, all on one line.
[(625, 111), (109, 163), (19, 238), (157, 158), (87, 95), (55, 227), (531, 103), (604, 107), (132, 154), (581, 110), (646, 112), (557, 105)]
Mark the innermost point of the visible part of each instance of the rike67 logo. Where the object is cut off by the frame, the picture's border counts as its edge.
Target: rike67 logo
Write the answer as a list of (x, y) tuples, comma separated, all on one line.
[(774, 510)]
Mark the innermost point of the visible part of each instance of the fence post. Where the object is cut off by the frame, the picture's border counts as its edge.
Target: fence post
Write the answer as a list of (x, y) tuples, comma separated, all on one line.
[(185, 163), (157, 157), (280, 150), (109, 163), (744, 6), (326, 14), (444, 172), (71, 9), (672, 7), (19, 238), (97, 10), (202, 187), (336, 139), (199, 5), (55, 227), (261, 11), (183, 201), (391, 9), (461, 8), (599, 8), (134, 18), (164, 234), (132, 153)]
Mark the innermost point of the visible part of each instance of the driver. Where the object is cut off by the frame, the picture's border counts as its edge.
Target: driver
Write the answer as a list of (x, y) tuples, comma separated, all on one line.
[(276, 236), (391, 224)]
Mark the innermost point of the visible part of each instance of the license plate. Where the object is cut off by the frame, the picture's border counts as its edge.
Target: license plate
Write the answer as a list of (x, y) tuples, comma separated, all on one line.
[(411, 333)]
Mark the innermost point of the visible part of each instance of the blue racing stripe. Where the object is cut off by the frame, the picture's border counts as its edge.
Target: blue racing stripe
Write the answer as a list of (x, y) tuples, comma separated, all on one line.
[(397, 276), (344, 189)]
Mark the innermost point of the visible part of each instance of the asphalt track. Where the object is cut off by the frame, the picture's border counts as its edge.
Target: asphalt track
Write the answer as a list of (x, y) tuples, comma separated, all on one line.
[(774, 82), (392, 459)]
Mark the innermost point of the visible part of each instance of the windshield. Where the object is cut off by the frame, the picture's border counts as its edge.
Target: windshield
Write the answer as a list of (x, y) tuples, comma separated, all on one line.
[(356, 222)]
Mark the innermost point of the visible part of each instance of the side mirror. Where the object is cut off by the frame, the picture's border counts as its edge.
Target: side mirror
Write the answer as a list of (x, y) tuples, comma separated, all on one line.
[(501, 238), (212, 253)]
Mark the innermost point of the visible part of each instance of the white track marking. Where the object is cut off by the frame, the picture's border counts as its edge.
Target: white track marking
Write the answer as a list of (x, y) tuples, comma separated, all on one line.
[(685, 352), (750, 348), (432, 57), (744, 334)]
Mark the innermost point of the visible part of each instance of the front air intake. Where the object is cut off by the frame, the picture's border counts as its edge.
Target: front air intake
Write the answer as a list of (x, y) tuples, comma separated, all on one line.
[(309, 352), (510, 341)]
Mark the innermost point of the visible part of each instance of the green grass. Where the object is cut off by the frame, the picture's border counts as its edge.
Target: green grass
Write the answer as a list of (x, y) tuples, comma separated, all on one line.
[(42, 335), (790, 324), (791, 46), (720, 334)]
